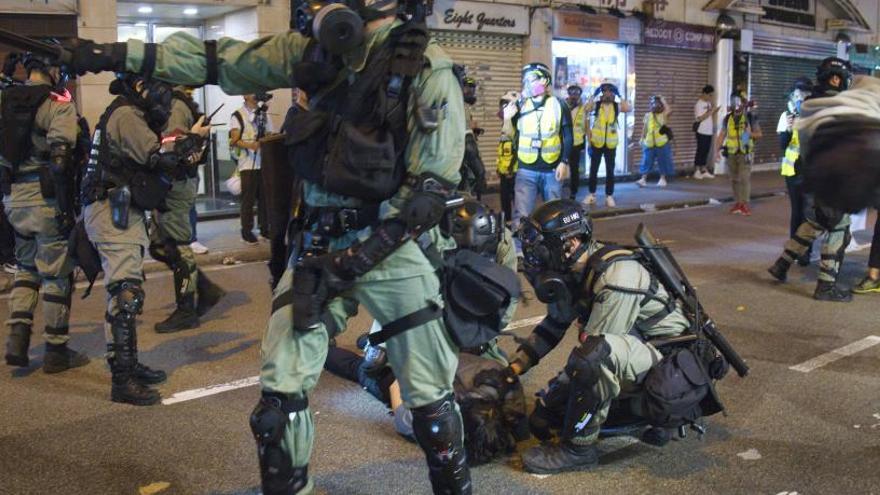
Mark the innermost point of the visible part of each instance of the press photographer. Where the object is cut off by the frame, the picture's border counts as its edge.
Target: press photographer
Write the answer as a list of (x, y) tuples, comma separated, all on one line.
[(248, 125)]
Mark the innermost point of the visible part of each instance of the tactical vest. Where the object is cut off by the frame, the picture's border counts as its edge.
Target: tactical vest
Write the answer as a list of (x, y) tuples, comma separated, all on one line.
[(578, 126), (107, 170), (736, 132), (604, 130), (352, 140), (539, 129), (792, 153), (653, 137), (17, 114)]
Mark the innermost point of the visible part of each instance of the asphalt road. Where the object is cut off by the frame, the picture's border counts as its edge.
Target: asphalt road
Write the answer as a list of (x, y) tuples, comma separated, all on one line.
[(787, 431)]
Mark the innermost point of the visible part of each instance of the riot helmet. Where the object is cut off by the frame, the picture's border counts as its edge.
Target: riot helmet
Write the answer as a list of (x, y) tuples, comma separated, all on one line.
[(799, 91), (536, 79), (833, 66), (475, 227), (150, 95), (548, 253), (57, 78), (469, 90)]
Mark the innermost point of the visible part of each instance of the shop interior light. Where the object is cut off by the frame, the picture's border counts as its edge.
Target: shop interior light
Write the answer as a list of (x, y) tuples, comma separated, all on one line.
[(146, 9), (190, 11)]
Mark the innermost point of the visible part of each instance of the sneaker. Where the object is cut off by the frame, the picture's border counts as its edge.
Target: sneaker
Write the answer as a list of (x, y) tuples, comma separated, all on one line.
[(708, 175), (10, 268), (590, 199), (642, 182), (559, 458), (609, 202), (736, 209), (867, 285), (745, 210), (829, 291), (661, 182), (198, 248), (698, 174), (248, 237)]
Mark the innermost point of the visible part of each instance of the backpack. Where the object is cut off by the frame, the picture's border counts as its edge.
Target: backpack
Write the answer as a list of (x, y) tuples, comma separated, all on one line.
[(17, 113)]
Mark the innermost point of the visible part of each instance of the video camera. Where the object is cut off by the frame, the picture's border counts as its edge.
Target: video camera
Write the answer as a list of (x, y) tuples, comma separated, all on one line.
[(263, 101)]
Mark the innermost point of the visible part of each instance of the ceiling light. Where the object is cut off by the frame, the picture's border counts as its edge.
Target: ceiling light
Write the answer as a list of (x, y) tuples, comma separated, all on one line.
[(145, 10), (190, 11)]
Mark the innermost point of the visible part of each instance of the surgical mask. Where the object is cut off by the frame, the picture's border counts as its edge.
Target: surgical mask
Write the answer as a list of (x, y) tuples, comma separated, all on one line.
[(337, 27), (535, 89)]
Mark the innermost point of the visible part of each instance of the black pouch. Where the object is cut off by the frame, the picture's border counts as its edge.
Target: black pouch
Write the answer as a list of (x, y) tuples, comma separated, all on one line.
[(148, 190), (306, 138), (363, 165), (47, 183), (667, 131), (674, 390)]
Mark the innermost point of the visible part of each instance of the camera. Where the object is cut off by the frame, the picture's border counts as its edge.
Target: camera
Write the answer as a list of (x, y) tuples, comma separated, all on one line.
[(262, 101)]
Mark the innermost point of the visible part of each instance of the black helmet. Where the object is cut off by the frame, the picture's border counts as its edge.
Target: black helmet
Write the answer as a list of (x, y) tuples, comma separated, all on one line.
[(833, 66), (474, 226), (33, 62), (154, 98), (545, 233)]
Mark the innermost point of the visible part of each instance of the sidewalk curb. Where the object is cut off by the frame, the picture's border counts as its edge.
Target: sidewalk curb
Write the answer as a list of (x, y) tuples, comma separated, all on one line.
[(675, 205)]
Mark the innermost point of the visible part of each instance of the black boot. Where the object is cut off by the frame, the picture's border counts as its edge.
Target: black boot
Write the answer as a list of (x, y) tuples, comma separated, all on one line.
[(18, 344), (829, 291), (779, 270), (561, 457), (125, 386), (184, 316), (209, 293), (59, 357)]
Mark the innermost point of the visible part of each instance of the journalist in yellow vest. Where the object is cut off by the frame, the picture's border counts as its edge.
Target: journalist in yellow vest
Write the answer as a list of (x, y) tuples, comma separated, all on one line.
[(604, 110), (543, 144), (505, 163), (735, 141), (578, 128), (789, 141), (655, 141)]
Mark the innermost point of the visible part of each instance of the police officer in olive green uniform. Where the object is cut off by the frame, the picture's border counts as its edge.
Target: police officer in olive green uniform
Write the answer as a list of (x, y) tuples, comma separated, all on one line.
[(38, 123), (129, 173), (403, 119), (619, 310), (194, 293)]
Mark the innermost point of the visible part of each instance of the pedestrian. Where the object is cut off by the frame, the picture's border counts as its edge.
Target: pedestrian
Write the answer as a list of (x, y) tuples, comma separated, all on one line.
[(544, 141), (578, 109), (604, 137), (36, 176), (734, 142), (705, 111), (789, 140), (397, 135), (248, 125), (194, 292), (833, 76), (129, 174), (656, 142), (506, 163), (194, 244)]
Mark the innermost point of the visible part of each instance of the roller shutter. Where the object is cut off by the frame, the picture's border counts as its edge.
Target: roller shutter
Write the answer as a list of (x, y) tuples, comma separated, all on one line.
[(495, 61), (771, 78), (678, 75)]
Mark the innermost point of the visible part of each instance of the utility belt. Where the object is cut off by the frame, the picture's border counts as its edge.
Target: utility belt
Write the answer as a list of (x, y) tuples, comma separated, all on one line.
[(148, 189), (333, 221)]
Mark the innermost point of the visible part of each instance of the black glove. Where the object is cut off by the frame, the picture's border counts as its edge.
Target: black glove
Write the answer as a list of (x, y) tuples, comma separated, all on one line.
[(334, 277), (83, 56)]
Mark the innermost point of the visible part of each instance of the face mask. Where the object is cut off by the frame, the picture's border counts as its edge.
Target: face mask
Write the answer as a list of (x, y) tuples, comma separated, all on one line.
[(536, 88), (550, 286), (336, 26)]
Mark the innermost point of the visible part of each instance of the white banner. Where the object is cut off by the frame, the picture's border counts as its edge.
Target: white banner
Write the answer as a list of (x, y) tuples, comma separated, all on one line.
[(454, 15), (38, 6)]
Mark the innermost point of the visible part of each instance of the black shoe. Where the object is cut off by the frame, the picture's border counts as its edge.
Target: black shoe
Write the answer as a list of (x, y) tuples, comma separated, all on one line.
[(145, 375), (183, 318), (779, 270), (60, 358), (248, 237), (829, 291), (17, 345), (559, 458), (656, 436), (127, 390), (805, 259), (208, 294)]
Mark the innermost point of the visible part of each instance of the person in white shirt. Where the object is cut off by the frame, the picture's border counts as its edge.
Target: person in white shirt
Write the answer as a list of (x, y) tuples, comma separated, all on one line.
[(704, 120), (248, 125)]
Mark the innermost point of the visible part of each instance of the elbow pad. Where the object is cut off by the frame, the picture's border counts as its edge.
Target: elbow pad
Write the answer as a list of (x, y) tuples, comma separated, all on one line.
[(425, 208)]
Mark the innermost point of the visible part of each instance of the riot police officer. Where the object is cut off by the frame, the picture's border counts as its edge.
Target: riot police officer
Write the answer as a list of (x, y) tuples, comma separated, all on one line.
[(473, 171), (39, 132), (833, 76), (194, 292), (372, 183), (130, 172)]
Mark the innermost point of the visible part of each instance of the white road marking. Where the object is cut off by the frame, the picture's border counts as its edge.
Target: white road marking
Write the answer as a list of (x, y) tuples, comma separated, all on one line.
[(750, 455), (830, 357), (198, 393)]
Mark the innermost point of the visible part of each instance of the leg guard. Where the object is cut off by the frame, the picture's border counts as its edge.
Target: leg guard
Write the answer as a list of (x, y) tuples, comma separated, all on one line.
[(269, 421), (584, 367), (547, 418), (439, 432)]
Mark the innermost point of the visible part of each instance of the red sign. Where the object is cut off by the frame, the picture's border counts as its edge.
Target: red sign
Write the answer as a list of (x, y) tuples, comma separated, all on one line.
[(679, 35)]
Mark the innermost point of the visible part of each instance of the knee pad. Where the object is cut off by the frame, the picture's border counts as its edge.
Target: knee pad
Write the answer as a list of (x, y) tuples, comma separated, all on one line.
[(439, 432), (269, 421), (129, 299), (586, 360)]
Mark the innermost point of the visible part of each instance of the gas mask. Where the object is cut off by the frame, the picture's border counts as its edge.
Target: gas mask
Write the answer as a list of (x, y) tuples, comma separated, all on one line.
[(338, 26), (544, 266), (156, 96), (470, 94)]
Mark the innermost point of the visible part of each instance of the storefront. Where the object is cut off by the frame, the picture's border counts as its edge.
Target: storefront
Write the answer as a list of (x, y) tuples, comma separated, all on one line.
[(773, 64), (673, 62), (487, 39), (589, 50)]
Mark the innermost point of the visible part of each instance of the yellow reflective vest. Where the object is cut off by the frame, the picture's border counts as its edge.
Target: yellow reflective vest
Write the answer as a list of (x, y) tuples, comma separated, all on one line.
[(792, 153), (505, 163), (539, 129), (653, 137), (605, 127), (736, 130), (579, 127)]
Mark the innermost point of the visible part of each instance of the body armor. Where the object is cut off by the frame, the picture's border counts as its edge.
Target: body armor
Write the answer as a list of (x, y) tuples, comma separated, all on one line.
[(17, 113)]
